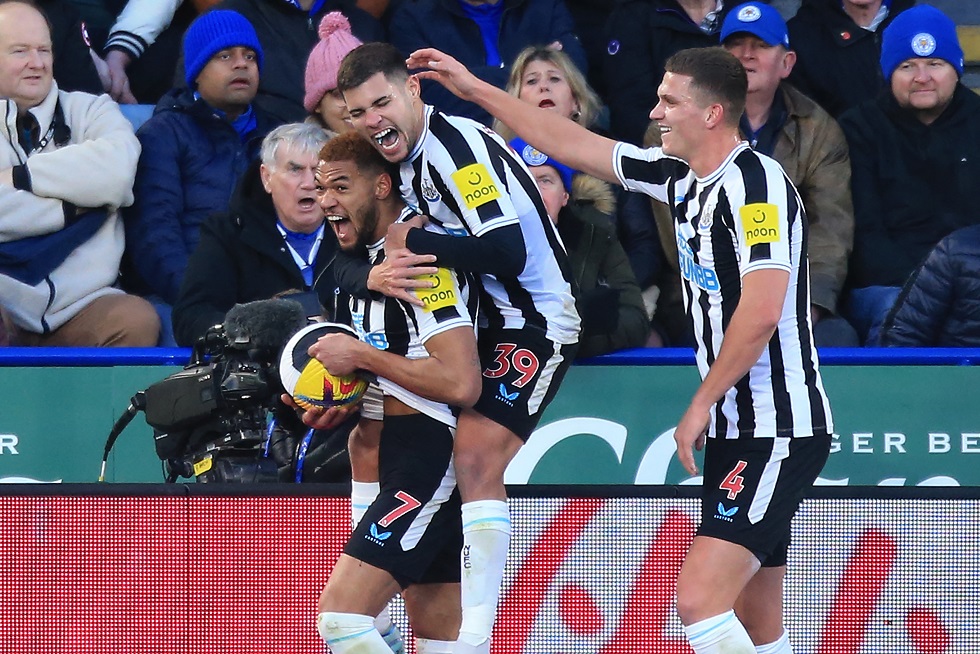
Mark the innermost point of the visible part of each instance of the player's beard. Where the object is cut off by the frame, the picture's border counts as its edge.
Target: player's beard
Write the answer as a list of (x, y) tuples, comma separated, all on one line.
[(369, 225)]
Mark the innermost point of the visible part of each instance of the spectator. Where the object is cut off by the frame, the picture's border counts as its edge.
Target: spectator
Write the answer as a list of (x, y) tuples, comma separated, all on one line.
[(940, 304), (271, 240), (142, 48), (609, 301), (195, 147), (323, 101), (589, 16), (291, 25), (73, 66), (914, 162), (786, 125), (642, 34), (67, 163), (549, 79), (837, 44), (486, 36)]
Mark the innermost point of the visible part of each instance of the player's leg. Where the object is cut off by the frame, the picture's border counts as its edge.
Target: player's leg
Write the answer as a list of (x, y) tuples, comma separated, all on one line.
[(760, 609), (355, 593), (434, 611), (713, 576)]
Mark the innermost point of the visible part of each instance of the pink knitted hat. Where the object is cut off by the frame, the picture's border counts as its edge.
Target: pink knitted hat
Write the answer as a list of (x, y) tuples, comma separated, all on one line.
[(336, 41)]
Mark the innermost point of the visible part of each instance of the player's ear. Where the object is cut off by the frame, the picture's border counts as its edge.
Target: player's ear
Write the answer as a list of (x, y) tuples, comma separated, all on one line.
[(382, 186), (414, 86)]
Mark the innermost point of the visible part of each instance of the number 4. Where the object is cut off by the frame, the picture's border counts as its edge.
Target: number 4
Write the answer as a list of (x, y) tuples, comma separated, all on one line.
[(733, 481)]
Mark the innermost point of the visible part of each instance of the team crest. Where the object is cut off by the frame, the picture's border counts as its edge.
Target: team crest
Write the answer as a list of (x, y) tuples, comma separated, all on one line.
[(923, 44), (749, 14), (533, 157), (429, 191), (705, 221)]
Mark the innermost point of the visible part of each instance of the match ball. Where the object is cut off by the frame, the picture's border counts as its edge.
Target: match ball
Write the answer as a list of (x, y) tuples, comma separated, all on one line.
[(305, 378)]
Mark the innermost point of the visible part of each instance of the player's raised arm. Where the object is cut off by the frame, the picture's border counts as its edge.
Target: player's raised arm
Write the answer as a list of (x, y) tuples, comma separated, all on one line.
[(563, 139)]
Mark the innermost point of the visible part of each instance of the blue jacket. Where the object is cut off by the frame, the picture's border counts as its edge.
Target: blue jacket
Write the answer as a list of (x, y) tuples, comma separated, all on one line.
[(940, 304), (191, 160), (442, 24)]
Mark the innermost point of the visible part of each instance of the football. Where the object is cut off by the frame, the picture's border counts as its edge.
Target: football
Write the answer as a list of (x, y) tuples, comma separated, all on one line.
[(305, 378)]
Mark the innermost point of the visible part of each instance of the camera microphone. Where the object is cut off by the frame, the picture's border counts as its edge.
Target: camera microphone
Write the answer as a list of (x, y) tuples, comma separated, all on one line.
[(264, 325)]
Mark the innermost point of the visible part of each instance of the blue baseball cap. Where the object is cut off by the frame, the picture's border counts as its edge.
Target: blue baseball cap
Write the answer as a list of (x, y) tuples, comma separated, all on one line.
[(759, 20), (534, 157)]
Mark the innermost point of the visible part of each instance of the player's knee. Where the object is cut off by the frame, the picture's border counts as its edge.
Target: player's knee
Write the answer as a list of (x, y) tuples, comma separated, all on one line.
[(337, 628)]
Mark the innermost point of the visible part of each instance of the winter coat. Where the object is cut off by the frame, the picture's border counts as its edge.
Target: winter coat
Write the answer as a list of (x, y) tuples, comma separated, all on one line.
[(609, 300), (287, 35), (73, 66), (242, 256), (912, 183), (940, 304), (641, 35), (89, 175), (813, 151), (192, 159), (837, 61), (443, 24)]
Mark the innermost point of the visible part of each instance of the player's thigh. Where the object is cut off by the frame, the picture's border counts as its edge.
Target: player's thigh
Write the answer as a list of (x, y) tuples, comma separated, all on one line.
[(434, 610), (357, 587), (483, 447)]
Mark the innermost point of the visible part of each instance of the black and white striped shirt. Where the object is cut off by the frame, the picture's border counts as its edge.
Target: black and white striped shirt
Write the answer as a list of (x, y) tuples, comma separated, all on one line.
[(402, 328), (467, 180), (744, 216)]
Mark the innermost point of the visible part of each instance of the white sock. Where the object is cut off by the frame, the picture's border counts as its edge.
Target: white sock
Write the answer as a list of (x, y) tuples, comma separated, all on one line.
[(350, 633), (426, 646), (486, 538), (722, 634), (780, 646), (390, 631), (362, 495)]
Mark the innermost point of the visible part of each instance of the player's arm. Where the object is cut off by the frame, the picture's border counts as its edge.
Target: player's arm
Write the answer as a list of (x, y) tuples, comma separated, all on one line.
[(500, 251), (450, 374), (563, 139), (749, 331)]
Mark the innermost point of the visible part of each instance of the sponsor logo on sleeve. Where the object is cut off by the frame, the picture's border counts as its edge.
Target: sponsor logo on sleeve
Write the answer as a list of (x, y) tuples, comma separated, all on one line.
[(760, 223), (476, 185), (443, 291)]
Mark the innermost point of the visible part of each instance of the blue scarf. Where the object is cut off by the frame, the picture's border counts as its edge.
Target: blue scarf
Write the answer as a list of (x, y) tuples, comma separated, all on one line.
[(487, 17)]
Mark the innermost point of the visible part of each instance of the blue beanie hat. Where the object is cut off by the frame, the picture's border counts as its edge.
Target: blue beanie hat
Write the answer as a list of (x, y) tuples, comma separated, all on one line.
[(534, 157), (757, 19), (212, 32), (921, 31)]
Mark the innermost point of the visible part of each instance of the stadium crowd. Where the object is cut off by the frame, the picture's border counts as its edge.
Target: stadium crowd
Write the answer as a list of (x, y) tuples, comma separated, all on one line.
[(116, 231)]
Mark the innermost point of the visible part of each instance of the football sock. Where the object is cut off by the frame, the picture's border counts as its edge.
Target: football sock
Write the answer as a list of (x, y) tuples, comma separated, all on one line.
[(390, 632), (486, 537), (781, 646), (362, 495), (722, 634), (426, 646), (350, 633)]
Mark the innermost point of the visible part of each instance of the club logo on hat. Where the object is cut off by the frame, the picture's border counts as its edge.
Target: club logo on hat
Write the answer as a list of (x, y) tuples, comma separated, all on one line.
[(749, 14), (533, 156), (923, 44)]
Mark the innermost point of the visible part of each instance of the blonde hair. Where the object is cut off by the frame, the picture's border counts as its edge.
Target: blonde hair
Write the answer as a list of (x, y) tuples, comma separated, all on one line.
[(588, 101)]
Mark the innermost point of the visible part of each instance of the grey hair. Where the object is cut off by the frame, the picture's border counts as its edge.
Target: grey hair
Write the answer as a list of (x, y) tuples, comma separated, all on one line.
[(305, 138)]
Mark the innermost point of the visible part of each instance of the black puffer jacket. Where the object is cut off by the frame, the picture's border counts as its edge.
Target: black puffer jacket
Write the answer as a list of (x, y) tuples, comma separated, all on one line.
[(940, 304), (837, 62)]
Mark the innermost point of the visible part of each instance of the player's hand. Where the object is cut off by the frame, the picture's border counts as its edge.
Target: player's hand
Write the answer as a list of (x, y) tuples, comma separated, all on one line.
[(320, 418), (397, 275), (337, 353), (117, 60), (398, 233), (445, 70), (690, 435)]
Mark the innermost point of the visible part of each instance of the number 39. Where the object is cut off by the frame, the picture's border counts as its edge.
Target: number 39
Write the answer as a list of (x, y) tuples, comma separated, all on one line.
[(523, 361)]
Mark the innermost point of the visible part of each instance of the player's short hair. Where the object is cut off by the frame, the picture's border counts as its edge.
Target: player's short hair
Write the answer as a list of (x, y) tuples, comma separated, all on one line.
[(365, 61), (351, 146), (716, 75)]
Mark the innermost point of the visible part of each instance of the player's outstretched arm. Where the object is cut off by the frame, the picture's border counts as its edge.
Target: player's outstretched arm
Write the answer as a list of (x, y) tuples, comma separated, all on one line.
[(450, 374), (559, 137)]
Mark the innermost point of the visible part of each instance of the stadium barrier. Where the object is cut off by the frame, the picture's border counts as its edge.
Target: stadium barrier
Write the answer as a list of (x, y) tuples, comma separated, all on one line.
[(902, 417), (215, 569)]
